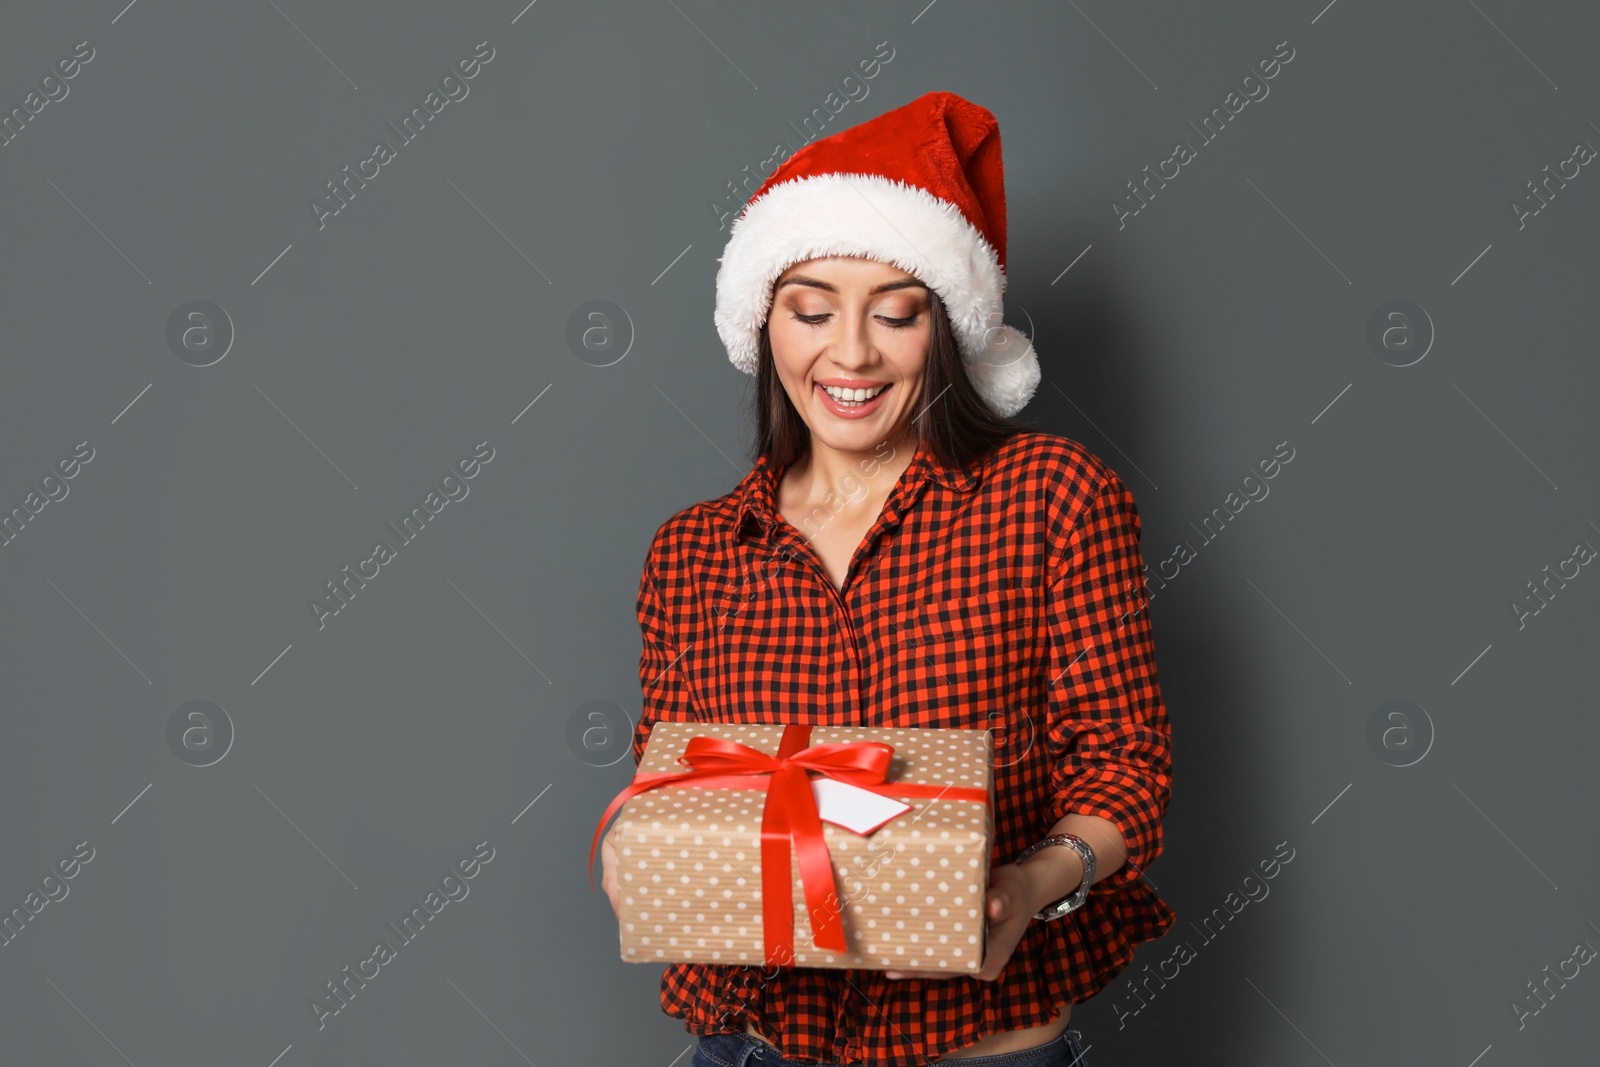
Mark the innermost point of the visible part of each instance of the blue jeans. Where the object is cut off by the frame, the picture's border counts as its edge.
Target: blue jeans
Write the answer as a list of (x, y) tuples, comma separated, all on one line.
[(747, 1050)]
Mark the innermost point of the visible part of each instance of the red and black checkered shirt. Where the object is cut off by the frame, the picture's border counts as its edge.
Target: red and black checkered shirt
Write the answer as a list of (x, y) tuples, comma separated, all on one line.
[(1006, 596)]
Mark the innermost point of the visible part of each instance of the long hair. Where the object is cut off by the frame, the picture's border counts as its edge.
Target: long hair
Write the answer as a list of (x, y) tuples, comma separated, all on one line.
[(956, 424)]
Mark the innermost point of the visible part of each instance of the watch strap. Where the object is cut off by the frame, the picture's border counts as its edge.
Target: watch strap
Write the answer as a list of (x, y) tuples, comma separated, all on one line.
[(1074, 900)]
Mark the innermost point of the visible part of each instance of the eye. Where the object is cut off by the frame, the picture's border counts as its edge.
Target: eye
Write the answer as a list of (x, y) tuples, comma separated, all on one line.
[(898, 324), (812, 320)]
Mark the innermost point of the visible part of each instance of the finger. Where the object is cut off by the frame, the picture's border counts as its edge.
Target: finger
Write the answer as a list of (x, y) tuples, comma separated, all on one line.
[(993, 965), (1001, 903)]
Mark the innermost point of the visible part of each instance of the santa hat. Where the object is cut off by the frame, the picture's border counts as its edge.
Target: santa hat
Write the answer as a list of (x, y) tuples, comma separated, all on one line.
[(919, 187)]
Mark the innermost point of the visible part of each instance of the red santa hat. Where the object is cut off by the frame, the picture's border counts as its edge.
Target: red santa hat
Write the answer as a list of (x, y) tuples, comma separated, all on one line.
[(919, 187)]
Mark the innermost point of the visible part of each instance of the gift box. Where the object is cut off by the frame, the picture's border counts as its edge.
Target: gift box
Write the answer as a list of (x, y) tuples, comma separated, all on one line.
[(810, 846)]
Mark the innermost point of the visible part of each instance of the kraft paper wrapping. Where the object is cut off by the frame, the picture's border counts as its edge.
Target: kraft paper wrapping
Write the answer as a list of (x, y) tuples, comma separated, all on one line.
[(911, 893)]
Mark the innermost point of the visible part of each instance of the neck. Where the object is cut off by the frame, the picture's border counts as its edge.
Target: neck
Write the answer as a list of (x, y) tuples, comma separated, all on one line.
[(825, 469)]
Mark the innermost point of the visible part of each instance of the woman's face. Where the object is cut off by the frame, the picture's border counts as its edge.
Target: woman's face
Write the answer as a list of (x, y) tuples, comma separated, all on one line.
[(843, 327)]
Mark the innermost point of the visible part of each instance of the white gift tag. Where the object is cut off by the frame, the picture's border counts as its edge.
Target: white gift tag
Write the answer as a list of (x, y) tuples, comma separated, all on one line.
[(859, 810)]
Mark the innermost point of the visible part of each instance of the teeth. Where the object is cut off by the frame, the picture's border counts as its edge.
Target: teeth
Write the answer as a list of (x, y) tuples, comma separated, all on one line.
[(853, 396)]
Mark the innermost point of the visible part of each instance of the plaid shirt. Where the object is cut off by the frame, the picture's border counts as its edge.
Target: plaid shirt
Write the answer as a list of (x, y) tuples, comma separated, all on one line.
[(1009, 596)]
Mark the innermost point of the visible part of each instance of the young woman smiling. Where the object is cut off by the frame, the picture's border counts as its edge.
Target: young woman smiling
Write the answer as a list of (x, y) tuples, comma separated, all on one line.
[(847, 350), (965, 573)]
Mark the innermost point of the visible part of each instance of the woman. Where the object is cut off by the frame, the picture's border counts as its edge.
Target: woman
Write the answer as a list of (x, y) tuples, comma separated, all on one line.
[(903, 555)]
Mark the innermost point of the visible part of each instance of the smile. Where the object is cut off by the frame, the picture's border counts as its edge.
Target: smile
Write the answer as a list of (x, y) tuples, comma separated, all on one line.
[(852, 398), (849, 402)]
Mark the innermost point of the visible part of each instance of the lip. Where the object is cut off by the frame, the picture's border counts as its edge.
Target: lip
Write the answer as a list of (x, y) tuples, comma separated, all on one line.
[(851, 383), (867, 408)]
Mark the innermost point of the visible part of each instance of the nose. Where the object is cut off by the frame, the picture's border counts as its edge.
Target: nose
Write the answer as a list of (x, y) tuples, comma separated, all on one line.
[(853, 349)]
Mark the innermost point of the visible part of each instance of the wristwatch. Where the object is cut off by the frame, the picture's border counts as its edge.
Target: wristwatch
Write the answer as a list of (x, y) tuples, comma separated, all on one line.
[(1074, 900)]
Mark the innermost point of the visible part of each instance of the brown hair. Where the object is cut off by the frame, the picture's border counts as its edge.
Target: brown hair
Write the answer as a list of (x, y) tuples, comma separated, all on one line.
[(956, 424)]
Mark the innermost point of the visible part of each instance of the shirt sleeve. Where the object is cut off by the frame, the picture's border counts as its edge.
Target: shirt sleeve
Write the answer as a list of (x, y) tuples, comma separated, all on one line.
[(1110, 743), (661, 676)]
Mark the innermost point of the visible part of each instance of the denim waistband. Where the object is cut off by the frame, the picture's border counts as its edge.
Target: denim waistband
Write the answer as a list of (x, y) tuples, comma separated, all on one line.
[(747, 1050)]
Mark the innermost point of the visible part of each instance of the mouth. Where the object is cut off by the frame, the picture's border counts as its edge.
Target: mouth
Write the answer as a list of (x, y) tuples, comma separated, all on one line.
[(852, 402)]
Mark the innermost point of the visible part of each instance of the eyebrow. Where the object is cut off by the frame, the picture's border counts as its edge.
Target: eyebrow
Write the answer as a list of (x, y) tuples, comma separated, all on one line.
[(814, 283)]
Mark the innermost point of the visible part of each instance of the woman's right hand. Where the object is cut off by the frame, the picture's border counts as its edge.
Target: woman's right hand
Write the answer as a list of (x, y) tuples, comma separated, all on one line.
[(608, 872)]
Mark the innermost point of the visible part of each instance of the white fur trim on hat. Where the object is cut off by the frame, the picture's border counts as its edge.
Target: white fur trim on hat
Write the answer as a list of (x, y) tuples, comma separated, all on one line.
[(877, 218)]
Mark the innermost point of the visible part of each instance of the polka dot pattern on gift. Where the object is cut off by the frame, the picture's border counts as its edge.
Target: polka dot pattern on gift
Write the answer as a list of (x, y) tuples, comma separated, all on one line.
[(910, 894)]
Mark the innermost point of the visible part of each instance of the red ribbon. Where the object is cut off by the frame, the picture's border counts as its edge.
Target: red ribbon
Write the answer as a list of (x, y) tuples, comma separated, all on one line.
[(789, 815)]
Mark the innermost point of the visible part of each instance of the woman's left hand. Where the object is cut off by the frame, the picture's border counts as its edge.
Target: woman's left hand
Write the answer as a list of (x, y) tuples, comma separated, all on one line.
[(1008, 909)]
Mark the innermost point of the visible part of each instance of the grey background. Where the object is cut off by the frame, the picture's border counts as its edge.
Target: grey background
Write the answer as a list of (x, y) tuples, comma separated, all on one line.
[(424, 318)]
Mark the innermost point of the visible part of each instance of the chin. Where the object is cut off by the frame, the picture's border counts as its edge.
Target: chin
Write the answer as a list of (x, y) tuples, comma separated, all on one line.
[(863, 436)]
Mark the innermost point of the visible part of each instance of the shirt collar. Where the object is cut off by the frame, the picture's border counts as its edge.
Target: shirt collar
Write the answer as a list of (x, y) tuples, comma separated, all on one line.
[(757, 494)]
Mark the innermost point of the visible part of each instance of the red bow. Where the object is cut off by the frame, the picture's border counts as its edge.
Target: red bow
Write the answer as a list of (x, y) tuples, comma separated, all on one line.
[(789, 814)]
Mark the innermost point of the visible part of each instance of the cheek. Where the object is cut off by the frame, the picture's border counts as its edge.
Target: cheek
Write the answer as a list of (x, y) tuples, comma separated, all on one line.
[(907, 352), (792, 354)]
